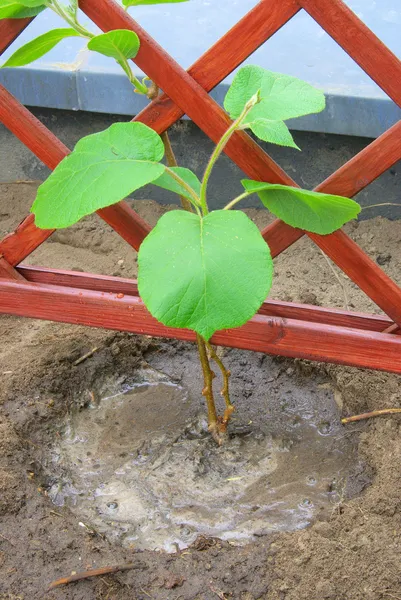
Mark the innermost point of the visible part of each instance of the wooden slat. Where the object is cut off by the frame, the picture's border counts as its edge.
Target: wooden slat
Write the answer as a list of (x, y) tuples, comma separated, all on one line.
[(364, 271), (8, 272), (10, 30), (286, 337), (366, 166), (364, 47), (257, 26), (107, 284), (50, 150)]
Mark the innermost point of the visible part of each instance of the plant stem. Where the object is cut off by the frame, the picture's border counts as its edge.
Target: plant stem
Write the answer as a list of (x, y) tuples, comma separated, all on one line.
[(220, 147), (172, 162), (225, 392), (195, 198), (237, 199), (55, 7), (207, 391), (73, 22)]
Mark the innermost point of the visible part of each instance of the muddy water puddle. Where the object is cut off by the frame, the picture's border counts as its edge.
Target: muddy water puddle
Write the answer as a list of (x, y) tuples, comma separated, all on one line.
[(139, 467)]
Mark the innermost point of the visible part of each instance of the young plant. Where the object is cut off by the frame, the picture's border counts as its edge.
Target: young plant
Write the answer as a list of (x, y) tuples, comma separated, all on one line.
[(198, 269), (202, 270)]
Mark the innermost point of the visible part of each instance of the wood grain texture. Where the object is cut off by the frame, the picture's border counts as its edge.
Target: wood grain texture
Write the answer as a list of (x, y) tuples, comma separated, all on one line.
[(118, 285), (364, 271), (16, 246), (364, 47), (10, 30), (8, 272), (274, 335), (366, 166)]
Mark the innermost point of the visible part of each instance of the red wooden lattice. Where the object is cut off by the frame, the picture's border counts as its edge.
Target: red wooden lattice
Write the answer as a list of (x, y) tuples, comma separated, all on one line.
[(281, 328)]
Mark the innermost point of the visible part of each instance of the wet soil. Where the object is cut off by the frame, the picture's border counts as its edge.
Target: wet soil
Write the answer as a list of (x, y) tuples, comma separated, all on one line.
[(351, 553)]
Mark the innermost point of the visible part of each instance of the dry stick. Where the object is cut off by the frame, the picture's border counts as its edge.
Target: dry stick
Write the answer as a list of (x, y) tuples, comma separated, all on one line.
[(85, 356), (336, 275), (368, 415), (225, 389), (20, 181), (91, 573)]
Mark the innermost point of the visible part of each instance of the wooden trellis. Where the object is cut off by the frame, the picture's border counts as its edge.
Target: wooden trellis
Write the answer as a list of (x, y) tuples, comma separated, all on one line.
[(281, 328)]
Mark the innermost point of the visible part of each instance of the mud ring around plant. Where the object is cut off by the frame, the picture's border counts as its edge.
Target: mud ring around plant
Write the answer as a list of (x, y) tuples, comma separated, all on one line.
[(350, 553)]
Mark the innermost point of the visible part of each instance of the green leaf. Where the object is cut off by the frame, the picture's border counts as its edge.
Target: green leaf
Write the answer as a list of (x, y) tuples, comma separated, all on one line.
[(204, 274), (10, 9), (139, 2), (275, 132), (119, 44), (30, 3), (311, 211), (281, 97), (168, 183), (38, 47), (103, 169)]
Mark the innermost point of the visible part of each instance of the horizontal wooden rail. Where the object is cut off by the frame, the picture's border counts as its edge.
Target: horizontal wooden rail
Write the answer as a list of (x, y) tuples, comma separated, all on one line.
[(273, 335), (118, 285)]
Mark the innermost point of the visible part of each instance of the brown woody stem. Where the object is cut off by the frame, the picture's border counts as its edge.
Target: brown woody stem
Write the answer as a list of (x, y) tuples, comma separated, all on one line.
[(207, 391), (225, 392)]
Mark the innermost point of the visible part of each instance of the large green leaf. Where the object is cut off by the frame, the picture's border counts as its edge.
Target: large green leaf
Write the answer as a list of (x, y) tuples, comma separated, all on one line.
[(204, 274), (168, 183), (312, 211), (119, 44), (102, 170), (281, 97), (10, 9), (139, 2), (38, 47)]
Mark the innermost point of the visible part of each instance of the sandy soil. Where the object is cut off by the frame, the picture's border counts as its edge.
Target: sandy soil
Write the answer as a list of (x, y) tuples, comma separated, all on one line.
[(353, 555)]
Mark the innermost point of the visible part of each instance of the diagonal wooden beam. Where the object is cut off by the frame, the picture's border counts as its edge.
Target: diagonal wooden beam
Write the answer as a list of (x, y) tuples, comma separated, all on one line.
[(10, 30), (8, 272), (363, 46)]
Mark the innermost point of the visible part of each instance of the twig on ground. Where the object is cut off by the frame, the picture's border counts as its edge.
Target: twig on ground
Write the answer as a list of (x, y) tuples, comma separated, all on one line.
[(19, 181), (91, 573), (373, 413), (85, 356), (218, 593)]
